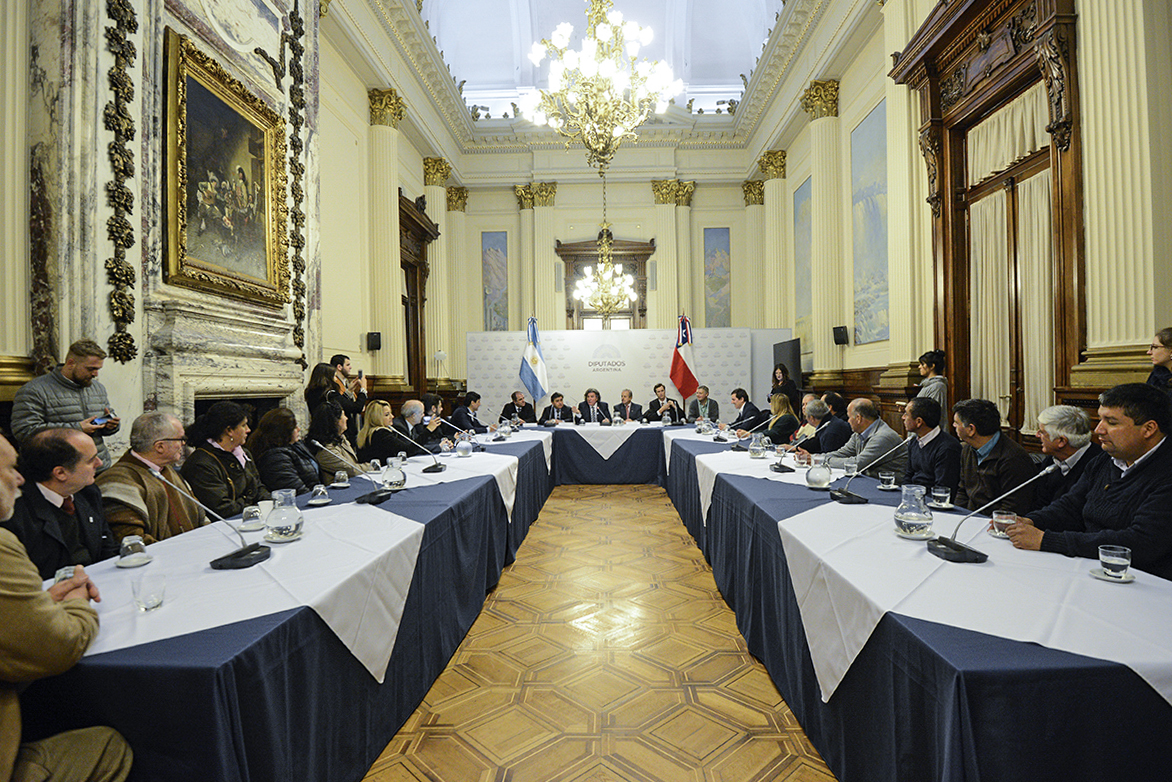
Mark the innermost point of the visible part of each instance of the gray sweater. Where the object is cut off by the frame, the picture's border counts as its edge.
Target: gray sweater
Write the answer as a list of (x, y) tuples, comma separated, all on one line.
[(882, 440), (53, 401)]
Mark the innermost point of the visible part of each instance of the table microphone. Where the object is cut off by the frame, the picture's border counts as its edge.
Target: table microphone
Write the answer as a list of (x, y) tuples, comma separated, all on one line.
[(849, 497), (954, 551), (475, 445), (737, 446), (247, 555), (437, 467)]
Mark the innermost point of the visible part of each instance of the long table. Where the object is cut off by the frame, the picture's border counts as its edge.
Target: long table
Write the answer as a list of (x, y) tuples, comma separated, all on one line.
[(280, 697), (922, 700), (640, 459)]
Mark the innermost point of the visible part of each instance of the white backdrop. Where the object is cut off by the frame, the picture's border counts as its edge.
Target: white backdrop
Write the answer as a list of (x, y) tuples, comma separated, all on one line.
[(610, 361)]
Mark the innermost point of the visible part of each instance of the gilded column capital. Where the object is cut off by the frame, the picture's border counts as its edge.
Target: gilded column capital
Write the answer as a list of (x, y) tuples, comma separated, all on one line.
[(457, 199), (754, 190), (544, 192), (524, 195), (665, 190), (436, 171), (821, 99), (386, 107), (684, 193), (772, 164)]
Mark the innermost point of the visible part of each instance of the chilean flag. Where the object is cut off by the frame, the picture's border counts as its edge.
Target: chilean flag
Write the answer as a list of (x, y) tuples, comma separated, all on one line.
[(682, 375)]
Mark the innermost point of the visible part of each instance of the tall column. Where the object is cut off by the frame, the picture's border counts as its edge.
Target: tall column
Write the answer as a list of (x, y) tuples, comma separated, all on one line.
[(1124, 74), (685, 263), (464, 300), (387, 284), (909, 229), (778, 280), (667, 302), (527, 249), (549, 306), (755, 303), (436, 171), (16, 334), (820, 101)]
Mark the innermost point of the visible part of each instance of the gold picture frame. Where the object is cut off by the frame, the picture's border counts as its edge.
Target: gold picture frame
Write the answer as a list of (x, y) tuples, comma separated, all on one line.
[(225, 186)]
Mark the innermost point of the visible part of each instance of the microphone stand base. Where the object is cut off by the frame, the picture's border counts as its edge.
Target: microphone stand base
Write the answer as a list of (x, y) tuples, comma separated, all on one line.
[(738, 447), (847, 497), (951, 550), (252, 554), (437, 467)]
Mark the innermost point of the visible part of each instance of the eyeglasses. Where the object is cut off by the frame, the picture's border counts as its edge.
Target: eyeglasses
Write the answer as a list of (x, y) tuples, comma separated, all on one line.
[(1156, 347), (172, 440)]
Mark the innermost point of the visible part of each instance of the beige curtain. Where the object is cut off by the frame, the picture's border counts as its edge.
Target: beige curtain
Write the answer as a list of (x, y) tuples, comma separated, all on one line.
[(1008, 135), (1035, 259), (989, 302)]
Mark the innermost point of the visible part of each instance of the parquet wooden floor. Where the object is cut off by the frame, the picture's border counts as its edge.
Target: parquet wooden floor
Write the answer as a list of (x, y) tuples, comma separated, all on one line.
[(606, 653)]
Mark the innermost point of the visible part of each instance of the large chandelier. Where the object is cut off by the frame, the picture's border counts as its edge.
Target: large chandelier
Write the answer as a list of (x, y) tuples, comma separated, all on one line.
[(598, 94)]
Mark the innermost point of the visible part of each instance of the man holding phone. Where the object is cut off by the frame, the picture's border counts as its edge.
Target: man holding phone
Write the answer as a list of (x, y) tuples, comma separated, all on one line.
[(68, 397)]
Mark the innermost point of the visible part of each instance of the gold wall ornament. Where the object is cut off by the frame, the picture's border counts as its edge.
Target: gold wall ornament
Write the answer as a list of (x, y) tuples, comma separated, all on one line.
[(436, 171), (120, 231), (544, 193), (772, 164), (664, 190), (386, 107), (524, 195), (684, 193), (754, 190), (323, 9), (457, 199), (821, 99)]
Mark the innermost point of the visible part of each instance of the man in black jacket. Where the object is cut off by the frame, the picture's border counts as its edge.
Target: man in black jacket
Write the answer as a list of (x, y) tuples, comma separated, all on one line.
[(59, 516), (933, 457), (520, 408), (1124, 499), (662, 407), (1065, 432), (748, 416), (464, 417)]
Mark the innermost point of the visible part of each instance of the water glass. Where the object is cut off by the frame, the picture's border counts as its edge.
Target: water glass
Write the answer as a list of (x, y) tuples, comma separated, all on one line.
[(941, 495), (266, 507), (319, 494), (148, 591), (1002, 521), (1115, 561), (341, 479), (852, 467), (887, 479), (251, 519)]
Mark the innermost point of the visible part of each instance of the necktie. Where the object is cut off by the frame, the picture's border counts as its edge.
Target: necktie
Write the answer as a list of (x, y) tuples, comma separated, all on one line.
[(68, 506), (594, 414)]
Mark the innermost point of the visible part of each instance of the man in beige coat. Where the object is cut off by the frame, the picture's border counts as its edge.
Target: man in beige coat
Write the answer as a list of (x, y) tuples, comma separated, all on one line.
[(44, 632)]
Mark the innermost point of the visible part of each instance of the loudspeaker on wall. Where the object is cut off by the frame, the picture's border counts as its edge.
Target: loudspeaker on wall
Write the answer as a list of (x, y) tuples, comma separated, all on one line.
[(374, 340), (840, 336)]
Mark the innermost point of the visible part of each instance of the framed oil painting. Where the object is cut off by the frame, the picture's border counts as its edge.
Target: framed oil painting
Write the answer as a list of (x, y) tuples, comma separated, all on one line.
[(225, 182)]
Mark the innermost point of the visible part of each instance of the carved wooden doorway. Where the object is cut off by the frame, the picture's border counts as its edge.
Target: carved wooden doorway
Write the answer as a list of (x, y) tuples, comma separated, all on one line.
[(416, 231)]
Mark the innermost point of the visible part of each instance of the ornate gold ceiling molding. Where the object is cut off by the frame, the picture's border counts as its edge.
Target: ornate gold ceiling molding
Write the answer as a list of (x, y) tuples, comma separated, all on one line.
[(457, 199), (386, 107), (436, 171), (754, 191), (821, 99), (772, 164)]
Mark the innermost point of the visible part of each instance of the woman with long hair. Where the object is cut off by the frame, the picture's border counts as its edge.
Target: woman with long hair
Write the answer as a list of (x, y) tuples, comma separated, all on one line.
[(935, 386), (782, 422), (321, 386), (221, 473), (378, 439), (784, 383), (327, 439), (281, 458), (1161, 352)]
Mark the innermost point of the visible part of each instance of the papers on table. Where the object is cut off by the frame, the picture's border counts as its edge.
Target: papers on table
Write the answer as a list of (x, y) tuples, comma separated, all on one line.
[(848, 568)]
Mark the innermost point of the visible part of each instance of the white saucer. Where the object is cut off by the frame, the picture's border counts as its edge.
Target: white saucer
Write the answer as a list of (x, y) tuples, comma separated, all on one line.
[(345, 485), (994, 533), (273, 539), (925, 535), (881, 487), (941, 505), (1099, 574), (134, 560), (320, 501), (255, 526)]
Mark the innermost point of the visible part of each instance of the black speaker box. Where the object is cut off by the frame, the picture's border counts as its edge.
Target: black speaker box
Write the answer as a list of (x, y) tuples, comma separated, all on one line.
[(840, 336), (374, 340)]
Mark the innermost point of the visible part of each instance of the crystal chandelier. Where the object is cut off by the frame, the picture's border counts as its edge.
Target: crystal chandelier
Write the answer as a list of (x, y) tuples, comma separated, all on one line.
[(598, 94)]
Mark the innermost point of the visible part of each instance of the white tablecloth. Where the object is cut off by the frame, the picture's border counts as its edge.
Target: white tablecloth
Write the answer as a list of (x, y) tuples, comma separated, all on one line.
[(607, 439), (848, 568), (673, 433), (529, 434), (708, 466), (500, 466), (353, 565)]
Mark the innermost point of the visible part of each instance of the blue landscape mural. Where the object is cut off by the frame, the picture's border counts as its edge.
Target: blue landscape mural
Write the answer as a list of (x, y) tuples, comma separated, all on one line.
[(869, 226), (803, 237), (717, 279), (494, 253)]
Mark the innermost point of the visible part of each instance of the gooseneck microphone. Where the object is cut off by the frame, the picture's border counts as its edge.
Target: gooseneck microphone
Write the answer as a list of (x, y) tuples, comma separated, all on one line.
[(246, 556), (847, 497), (437, 467), (954, 551), (737, 445)]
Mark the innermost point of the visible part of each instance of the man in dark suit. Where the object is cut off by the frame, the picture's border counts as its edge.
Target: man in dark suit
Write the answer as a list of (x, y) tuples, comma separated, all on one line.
[(748, 416), (59, 516), (663, 408), (557, 410), (830, 431), (464, 416), (1065, 432), (520, 408), (990, 463), (628, 410), (592, 409), (933, 457)]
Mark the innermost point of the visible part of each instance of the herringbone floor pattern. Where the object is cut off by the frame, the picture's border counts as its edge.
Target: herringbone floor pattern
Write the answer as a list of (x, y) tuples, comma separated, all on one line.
[(606, 653)]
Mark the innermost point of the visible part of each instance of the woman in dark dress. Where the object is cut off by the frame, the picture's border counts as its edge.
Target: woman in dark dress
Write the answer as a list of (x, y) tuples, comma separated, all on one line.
[(782, 423), (784, 383), (281, 458)]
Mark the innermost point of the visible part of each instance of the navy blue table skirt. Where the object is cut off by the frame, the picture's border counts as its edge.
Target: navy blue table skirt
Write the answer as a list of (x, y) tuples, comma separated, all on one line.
[(280, 697), (925, 701), (639, 460)]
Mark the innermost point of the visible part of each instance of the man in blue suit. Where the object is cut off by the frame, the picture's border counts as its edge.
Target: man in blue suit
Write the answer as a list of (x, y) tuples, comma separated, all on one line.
[(465, 418)]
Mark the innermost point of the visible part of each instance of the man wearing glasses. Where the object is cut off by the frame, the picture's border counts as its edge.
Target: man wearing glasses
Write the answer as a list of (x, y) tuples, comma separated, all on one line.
[(135, 501)]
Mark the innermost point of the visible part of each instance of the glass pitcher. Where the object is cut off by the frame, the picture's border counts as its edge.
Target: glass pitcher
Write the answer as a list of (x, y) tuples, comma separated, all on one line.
[(913, 517), (818, 476), (393, 476), (284, 522), (757, 447)]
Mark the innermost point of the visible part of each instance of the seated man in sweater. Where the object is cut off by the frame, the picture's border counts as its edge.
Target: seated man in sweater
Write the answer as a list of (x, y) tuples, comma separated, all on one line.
[(871, 438), (1065, 432), (137, 502), (991, 464), (1122, 500), (934, 456)]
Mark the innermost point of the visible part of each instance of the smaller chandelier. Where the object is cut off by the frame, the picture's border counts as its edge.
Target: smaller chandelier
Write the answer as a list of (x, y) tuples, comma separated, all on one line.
[(606, 289), (599, 94)]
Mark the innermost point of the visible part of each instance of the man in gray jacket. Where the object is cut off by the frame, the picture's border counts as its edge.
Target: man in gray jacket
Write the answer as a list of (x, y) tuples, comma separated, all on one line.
[(871, 438), (68, 397)]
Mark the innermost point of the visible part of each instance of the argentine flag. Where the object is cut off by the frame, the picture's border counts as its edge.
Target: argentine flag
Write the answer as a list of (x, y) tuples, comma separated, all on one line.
[(533, 374)]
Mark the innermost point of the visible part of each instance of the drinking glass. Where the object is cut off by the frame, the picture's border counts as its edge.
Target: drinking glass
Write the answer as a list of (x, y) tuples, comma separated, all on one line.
[(1002, 521), (852, 467), (941, 495), (1115, 561), (319, 495), (887, 479), (341, 479), (251, 519), (148, 591)]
